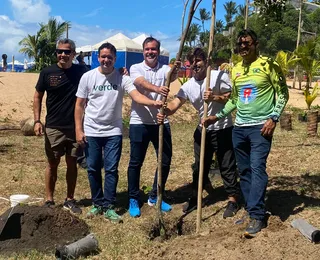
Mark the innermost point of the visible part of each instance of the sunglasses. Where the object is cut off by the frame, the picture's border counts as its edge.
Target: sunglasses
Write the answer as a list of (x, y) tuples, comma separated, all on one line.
[(60, 51), (246, 43)]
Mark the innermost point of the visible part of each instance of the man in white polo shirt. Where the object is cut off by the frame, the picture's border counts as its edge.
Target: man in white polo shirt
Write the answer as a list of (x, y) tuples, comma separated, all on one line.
[(218, 136), (149, 77)]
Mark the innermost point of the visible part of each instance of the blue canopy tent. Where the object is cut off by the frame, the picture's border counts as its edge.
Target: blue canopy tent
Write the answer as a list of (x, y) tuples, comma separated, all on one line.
[(128, 51)]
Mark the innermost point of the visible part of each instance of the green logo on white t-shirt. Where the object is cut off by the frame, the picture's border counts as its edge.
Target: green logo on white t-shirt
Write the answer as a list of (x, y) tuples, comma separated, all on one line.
[(105, 87)]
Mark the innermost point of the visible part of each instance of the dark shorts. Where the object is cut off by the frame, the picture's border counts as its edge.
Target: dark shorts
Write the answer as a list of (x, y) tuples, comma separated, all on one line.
[(59, 143)]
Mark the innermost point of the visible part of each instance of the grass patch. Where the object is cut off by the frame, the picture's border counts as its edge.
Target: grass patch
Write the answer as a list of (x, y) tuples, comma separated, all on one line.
[(292, 167)]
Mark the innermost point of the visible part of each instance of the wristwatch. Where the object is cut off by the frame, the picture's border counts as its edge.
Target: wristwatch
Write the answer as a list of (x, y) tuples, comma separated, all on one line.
[(274, 118)]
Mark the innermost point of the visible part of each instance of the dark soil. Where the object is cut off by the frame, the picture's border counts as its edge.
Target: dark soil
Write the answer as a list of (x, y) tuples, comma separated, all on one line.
[(39, 228)]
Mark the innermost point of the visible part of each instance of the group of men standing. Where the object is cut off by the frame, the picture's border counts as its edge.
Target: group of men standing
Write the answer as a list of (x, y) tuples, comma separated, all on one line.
[(84, 110)]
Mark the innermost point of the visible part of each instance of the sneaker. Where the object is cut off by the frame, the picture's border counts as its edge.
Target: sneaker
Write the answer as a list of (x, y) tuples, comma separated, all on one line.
[(134, 209), (165, 207), (95, 211), (111, 215), (49, 203), (190, 205), (254, 227), (71, 206), (231, 210)]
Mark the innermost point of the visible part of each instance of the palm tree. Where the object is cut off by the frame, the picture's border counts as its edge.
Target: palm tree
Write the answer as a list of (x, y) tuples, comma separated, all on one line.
[(50, 33), (42, 46), (204, 16), (286, 61), (54, 30), (219, 26), (231, 10), (241, 10), (193, 32), (306, 54), (204, 38), (31, 47)]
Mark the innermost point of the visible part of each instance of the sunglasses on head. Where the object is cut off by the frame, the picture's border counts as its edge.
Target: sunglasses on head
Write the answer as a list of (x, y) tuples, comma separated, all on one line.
[(60, 51), (246, 43)]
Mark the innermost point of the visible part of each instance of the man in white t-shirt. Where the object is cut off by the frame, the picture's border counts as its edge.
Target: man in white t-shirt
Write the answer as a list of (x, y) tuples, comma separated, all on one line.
[(149, 77), (98, 118), (218, 136)]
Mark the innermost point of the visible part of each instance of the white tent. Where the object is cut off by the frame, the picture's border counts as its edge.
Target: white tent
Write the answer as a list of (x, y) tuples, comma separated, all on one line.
[(140, 39), (121, 42), (86, 48)]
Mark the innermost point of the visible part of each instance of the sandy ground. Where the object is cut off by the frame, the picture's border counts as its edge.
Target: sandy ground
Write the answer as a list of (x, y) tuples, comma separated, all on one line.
[(17, 90)]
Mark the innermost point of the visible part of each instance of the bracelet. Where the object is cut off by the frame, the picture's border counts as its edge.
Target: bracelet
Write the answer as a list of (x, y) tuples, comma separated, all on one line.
[(36, 122)]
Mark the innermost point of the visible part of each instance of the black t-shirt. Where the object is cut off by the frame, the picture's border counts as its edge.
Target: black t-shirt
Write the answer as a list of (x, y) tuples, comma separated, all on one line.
[(61, 86)]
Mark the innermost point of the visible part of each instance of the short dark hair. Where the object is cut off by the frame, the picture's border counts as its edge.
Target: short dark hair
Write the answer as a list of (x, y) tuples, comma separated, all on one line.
[(248, 32), (109, 46), (197, 53), (151, 39)]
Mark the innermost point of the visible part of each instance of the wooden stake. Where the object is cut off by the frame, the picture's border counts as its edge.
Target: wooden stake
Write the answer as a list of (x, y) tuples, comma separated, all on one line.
[(205, 112), (161, 126)]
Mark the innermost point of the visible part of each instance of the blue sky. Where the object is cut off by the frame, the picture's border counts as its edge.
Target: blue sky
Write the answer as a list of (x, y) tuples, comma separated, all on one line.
[(95, 20)]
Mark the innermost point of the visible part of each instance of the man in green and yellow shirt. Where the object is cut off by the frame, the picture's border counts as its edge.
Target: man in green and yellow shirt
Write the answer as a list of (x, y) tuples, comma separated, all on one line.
[(259, 94)]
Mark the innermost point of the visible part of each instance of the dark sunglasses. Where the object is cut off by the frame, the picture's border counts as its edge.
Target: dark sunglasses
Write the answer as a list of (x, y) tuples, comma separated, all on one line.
[(246, 43), (66, 52)]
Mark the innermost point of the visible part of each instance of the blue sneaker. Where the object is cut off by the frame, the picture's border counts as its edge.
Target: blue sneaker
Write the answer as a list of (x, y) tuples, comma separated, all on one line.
[(165, 207), (134, 209)]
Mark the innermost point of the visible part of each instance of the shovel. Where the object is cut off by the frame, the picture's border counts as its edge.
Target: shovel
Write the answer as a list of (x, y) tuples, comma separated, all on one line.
[(4, 221), (16, 200), (205, 112), (159, 228)]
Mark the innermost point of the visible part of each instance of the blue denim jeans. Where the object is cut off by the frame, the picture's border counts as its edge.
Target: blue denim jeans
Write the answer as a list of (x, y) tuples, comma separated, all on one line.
[(140, 137), (252, 150), (111, 147)]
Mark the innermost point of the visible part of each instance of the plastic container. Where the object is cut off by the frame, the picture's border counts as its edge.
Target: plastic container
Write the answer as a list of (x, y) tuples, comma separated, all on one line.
[(18, 199)]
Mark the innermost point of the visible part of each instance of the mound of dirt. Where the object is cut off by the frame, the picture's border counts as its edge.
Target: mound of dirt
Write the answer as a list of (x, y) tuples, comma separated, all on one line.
[(39, 228)]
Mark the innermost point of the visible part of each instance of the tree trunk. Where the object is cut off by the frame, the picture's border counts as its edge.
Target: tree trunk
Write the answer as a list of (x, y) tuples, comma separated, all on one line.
[(312, 123), (285, 121)]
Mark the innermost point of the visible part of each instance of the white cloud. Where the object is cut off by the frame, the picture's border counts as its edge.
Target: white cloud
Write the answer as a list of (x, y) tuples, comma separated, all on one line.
[(8, 26), (11, 33), (89, 35), (59, 19), (94, 12), (30, 11)]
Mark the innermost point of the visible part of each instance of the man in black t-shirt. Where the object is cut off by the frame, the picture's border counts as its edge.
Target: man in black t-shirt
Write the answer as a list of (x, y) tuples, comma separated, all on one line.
[(60, 81)]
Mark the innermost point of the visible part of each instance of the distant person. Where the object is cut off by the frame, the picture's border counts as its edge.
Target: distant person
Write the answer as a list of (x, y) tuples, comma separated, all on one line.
[(149, 77), (260, 94), (60, 81), (4, 62), (218, 135), (80, 59), (99, 102)]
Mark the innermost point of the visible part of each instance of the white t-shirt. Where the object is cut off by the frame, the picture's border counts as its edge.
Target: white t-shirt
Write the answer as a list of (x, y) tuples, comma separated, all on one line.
[(103, 113), (193, 90), (157, 76)]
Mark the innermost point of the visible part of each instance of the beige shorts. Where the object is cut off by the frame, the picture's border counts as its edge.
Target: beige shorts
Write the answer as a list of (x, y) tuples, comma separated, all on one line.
[(59, 143)]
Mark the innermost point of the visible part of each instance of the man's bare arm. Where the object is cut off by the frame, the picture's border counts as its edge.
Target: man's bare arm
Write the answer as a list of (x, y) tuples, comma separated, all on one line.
[(37, 103), (78, 118)]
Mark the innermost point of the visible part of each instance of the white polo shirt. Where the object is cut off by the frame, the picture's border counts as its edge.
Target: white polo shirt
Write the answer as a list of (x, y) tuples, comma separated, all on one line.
[(193, 91), (103, 113), (157, 76)]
